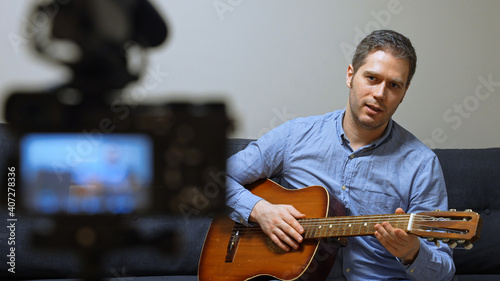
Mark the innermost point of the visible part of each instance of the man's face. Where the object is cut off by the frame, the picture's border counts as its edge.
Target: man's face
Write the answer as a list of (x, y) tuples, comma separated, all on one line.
[(377, 89)]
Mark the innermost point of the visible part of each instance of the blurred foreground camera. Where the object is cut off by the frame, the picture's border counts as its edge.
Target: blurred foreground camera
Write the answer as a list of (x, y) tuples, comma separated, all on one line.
[(82, 151), (87, 161)]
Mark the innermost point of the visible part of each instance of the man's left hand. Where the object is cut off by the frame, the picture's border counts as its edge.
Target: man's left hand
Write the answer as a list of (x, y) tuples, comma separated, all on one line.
[(397, 241)]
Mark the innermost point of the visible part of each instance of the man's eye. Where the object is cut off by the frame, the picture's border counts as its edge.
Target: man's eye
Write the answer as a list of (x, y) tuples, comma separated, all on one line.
[(371, 78), (394, 85)]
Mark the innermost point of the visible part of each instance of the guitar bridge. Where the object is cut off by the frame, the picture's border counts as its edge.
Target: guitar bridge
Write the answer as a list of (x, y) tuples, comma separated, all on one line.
[(233, 243)]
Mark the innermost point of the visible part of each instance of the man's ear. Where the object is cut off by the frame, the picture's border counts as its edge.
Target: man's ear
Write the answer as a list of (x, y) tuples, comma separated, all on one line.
[(349, 76)]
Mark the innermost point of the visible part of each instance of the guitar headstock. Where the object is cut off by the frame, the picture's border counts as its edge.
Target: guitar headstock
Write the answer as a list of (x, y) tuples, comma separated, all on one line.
[(451, 227)]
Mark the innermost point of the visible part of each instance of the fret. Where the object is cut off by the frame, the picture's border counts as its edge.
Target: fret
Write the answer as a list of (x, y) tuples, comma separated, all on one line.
[(312, 231), (363, 228), (307, 231), (360, 227)]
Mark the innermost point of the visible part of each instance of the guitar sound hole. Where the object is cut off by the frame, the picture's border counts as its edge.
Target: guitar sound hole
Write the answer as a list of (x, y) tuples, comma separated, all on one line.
[(273, 247)]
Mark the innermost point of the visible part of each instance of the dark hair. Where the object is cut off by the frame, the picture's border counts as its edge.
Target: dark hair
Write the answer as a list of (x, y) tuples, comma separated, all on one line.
[(389, 41)]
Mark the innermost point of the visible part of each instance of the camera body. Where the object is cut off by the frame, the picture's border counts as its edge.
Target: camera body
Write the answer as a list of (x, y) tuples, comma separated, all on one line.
[(81, 155), (87, 164)]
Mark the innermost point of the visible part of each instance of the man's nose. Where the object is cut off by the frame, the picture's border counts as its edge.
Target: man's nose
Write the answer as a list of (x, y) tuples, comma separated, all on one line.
[(379, 91)]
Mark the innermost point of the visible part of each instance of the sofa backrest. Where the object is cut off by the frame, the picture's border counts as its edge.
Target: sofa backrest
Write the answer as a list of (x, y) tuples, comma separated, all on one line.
[(473, 182)]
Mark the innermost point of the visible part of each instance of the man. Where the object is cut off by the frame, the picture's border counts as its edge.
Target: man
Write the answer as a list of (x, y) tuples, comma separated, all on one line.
[(369, 162)]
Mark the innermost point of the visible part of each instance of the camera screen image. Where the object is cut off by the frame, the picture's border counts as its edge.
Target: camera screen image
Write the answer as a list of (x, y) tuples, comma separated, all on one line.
[(77, 173)]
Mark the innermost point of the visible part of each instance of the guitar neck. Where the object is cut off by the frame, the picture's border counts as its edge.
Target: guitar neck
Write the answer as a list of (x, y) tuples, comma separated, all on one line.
[(352, 226)]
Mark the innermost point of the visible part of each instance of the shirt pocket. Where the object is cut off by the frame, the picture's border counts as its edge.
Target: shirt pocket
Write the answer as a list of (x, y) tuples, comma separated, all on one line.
[(376, 203)]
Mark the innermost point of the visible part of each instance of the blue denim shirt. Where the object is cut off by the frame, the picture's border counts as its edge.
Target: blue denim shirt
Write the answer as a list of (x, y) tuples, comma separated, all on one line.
[(396, 170)]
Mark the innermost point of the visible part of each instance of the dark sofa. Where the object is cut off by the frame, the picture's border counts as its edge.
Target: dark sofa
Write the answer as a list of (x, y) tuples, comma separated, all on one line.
[(473, 182)]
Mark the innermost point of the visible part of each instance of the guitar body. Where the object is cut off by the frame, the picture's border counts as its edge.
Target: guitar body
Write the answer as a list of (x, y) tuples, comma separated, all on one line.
[(233, 252)]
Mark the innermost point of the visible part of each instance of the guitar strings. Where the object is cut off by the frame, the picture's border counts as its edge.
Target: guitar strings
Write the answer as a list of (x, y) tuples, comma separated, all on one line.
[(340, 220), (339, 224)]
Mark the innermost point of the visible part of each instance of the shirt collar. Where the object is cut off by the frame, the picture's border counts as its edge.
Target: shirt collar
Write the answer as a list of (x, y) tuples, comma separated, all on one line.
[(341, 134)]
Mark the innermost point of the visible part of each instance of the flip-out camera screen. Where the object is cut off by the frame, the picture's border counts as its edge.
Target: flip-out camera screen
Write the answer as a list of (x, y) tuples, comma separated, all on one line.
[(85, 173)]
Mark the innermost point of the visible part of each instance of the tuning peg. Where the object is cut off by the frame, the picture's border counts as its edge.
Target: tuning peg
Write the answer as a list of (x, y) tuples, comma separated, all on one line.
[(445, 240), (452, 210), (452, 244), (437, 210), (468, 245), (461, 241), (468, 210), (432, 239)]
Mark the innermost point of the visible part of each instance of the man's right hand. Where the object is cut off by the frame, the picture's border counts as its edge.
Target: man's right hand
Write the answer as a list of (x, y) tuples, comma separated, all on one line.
[(280, 223)]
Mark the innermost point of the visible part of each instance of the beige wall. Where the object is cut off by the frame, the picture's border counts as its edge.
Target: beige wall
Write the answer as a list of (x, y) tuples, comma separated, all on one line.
[(275, 60)]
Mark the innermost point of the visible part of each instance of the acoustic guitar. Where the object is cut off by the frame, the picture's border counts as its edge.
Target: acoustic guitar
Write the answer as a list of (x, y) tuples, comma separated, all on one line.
[(234, 252)]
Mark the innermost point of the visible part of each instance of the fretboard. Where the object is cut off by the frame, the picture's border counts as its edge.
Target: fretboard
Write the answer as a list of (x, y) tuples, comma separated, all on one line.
[(351, 226)]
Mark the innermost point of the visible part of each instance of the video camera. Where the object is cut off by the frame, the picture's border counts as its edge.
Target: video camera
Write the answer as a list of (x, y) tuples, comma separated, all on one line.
[(86, 159), (82, 151)]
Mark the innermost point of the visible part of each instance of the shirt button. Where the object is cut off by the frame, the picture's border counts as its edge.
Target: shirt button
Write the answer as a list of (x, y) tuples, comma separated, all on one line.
[(412, 270), (344, 187), (351, 156), (348, 270)]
